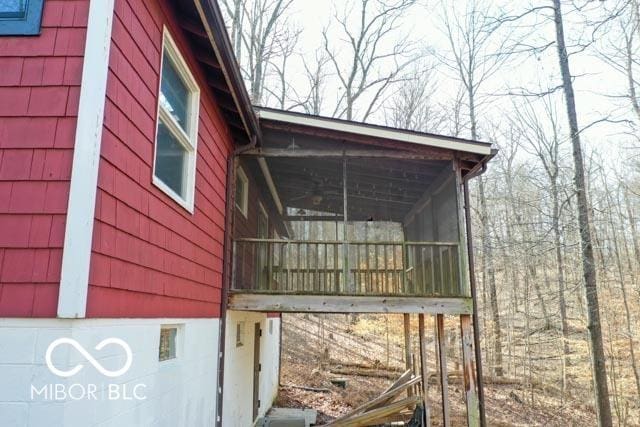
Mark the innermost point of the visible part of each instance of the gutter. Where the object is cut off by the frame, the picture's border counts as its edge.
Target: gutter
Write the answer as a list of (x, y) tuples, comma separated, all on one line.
[(232, 163), (477, 171)]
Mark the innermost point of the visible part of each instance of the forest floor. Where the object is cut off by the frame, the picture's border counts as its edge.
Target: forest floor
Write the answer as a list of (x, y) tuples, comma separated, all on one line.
[(319, 348)]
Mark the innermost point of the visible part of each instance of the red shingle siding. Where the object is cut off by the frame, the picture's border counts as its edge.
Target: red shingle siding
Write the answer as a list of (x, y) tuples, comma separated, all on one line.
[(152, 258), (39, 89)]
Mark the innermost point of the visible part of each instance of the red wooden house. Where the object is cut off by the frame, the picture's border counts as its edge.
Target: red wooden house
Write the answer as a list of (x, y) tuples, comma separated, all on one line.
[(143, 198)]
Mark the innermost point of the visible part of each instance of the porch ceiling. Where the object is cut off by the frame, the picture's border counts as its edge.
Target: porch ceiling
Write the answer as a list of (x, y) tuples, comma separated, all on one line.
[(377, 188)]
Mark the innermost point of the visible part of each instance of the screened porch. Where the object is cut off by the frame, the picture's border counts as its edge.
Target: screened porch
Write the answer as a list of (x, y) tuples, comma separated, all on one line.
[(348, 223)]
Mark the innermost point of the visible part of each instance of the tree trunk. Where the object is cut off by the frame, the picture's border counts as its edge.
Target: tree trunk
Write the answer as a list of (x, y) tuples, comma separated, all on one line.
[(559, 263), (590, 280), (491, 282), (623, 288), (236, 32), (562, 305), (634, 230), (487, 253)]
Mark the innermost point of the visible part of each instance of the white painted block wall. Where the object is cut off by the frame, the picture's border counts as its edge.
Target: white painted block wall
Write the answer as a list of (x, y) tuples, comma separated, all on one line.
[(237, 406), (179, 392), (270, 355)]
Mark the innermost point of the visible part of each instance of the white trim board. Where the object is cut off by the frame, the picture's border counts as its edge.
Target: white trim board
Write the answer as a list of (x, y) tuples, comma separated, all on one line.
[(76, 255), (378, 132)]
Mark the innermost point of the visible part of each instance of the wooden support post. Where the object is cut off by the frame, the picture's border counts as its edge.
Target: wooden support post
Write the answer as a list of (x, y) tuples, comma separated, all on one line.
[(444, 382), (424, 371), (473, 409), (345, 246), (414, 366), (473, 290), (407, 346)]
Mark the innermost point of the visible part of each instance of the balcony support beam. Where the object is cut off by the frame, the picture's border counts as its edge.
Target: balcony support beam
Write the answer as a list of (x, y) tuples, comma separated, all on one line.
[(291, 303)]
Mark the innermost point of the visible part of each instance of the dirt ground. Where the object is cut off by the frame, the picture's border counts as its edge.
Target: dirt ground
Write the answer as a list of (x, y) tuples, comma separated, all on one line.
[(306, 363)]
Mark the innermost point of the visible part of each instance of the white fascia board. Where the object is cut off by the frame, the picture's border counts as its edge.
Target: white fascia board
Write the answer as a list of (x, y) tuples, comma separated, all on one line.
[(76, 255), (350, 127)]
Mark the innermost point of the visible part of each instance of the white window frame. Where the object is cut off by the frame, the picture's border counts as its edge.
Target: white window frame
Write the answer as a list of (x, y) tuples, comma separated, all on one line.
[(240, 327), (188, 140), (242, 179)]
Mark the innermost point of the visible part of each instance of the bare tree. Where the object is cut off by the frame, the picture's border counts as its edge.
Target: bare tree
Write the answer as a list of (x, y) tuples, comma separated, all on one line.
[(621, 47), (364, 67), (235, 11), (285, 49), (476, 54), (316, 79), (623, 286), (258, 31), (588, 261), (412, 106), (544, 141)]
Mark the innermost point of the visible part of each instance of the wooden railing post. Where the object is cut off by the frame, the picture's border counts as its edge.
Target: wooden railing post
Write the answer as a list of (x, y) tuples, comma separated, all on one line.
[(345, 244), (405, 263)]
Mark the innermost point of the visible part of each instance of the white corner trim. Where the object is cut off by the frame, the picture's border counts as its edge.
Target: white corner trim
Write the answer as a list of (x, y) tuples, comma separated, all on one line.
[(76, 255), (375, 131)]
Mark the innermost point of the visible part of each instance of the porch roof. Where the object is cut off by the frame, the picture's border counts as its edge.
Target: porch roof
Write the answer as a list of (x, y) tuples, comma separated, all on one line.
[(405, 138)]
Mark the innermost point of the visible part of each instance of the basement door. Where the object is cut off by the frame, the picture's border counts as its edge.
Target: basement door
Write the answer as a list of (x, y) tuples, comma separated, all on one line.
[(256, 369)]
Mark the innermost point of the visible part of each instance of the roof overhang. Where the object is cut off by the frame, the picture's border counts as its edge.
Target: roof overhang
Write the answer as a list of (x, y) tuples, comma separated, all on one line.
[(375, 131), (204, 28)]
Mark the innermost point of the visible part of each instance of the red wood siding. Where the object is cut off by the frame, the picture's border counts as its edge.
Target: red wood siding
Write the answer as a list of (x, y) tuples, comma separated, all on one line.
[(258, 194), (39, 89), (152, 258)]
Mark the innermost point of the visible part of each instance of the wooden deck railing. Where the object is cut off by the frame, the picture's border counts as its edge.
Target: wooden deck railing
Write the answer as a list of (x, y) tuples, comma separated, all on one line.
[(346, 268)]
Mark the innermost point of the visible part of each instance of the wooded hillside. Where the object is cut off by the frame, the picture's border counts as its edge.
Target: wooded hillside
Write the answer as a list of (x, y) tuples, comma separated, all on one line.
[(555, 217)]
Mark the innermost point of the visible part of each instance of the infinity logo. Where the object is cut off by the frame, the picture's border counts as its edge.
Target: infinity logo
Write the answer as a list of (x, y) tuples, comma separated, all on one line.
[(88, 356)]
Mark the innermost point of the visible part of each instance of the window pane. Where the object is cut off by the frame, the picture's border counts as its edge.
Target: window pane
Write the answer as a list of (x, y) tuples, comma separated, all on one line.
[(12, 9), (167, 348), (174, 94), (240, 186), (171, 160)]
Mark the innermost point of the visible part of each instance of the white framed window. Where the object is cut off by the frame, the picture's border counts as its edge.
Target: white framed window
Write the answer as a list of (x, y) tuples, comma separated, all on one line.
[(174, 163), (242, 192), (168, 348)]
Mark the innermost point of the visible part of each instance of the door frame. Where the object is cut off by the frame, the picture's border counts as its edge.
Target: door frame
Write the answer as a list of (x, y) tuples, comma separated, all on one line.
[(257, 367)]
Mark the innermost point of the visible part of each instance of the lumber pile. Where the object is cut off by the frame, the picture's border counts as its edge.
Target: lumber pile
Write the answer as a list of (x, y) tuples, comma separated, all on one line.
[(390, 406)]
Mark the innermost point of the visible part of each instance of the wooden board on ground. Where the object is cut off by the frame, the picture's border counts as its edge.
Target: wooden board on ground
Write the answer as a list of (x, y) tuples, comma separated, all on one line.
[(383, 408), (406, 376), (378, 415)]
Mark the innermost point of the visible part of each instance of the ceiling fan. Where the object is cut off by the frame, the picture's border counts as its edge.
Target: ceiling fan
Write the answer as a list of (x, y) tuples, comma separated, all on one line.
[(315, 196)]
